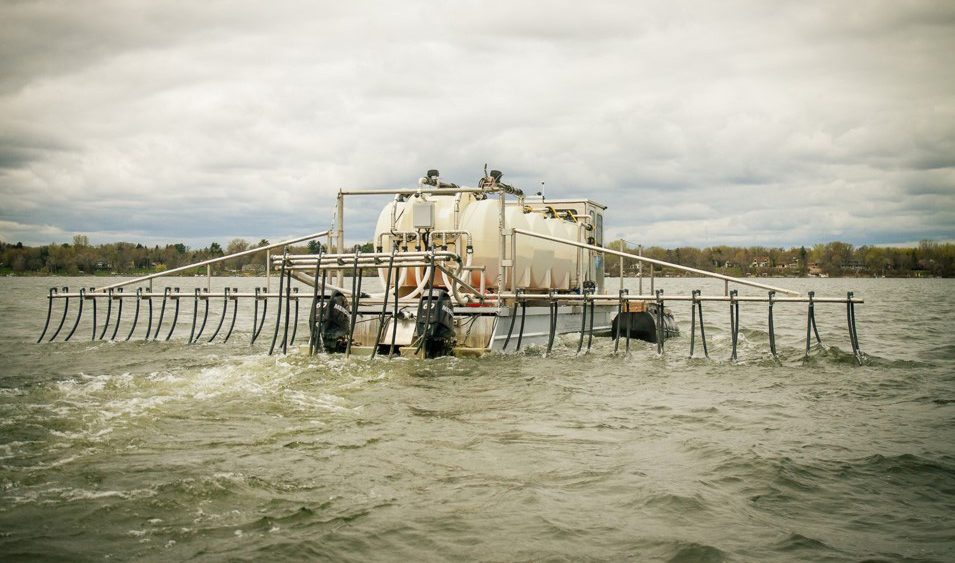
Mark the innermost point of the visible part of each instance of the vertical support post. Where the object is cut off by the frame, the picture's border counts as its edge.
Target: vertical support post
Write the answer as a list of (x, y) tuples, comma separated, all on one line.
[(93, 298), (175, 317), (734, 322), (268, 271), (119, 313), (661, 335), (552, 322), (235, 311), (225, 310), (652, 274), (811, 322), (853, 335), (288, 304), (726, 287), (394, 316), (501, 250), (356, 295), (513, 264), (66, 308), (278, 308), (695, 293), (162, 311), (583, 323), (384, 301), (640, 270), (621, 273), (320, 328), (109, 310), (520, 331), (138, 298), (620, 313), (49, 313), (340, 228), (149, 324), (510, 328), (209, 278), (79, 314), (626, 350), (205, 314), (772, 330)]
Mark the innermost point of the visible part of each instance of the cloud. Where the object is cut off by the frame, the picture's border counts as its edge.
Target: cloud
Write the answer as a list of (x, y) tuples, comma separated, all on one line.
[(740, 123)]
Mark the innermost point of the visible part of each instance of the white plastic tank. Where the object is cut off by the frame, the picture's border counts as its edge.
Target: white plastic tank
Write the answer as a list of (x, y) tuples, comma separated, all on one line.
[(446, 209), (540, 264)]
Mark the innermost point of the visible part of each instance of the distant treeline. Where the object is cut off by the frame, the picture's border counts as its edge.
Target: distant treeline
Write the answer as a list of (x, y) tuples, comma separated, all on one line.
[(833, 259), (928, 259), (80, 257)]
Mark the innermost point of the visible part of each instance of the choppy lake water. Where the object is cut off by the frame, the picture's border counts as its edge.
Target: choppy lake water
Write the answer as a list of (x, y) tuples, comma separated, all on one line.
[(164, 451)]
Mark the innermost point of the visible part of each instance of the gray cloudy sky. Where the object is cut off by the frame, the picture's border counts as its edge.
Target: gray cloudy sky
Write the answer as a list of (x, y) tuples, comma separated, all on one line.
[(699, 123)]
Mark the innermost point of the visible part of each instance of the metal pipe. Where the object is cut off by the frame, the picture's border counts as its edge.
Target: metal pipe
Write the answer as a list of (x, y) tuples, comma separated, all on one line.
[(552, 324), (340, 227), (255, 315), (616, 339), (320, 330), (660, 335), (312, 341), (225, 310), (853, 333), (119, 314), (212, 261), (734, 322), (609, 298), (149, 326), (583, 326), (384, 302), (520, 331), (656, 262), (162, 312), (461, 282), (590, 332), (288, 304), (139, 292), (412, 191), (355, 298), (394, 320), (427, 322), (195, 315), (640, 268), (693, 321), (706, 352), (109, 310), (93, 332), (278, 315), (79, 313), (49, 313), (294, 322), (175, 315), (66, 307), (503, 246), (265, 309), (626, 350), (772, 331), (205, 316), (235, 313)]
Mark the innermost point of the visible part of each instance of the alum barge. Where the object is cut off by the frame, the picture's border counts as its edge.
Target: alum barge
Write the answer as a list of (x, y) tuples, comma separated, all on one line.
[(463, 271)]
